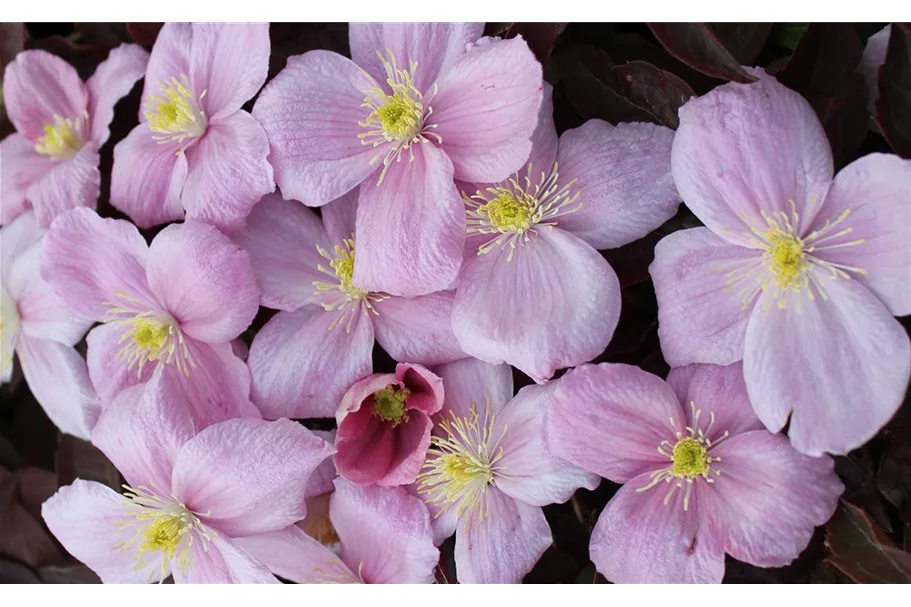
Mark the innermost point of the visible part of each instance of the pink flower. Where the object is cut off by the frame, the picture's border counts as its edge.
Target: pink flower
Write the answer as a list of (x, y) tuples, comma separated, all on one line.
[(385, 537), (305, 358), (194, 149), (172, 307), (795, 273), (51, 163), (384, 426), (488, 473), (533, 291), (41, 329), (190, 494), (418, 105), (700, 474)]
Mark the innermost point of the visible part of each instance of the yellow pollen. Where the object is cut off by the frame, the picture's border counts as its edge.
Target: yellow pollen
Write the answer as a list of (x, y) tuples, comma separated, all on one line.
[(151, 335), (347, 298), (163, 535), (690, 458), (508, 214), (63, 139), (389, 404), (178, 114), (785, 258)]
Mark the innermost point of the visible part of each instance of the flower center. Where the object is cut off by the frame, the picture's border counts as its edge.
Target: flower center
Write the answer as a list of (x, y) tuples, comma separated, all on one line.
[(689, 458), (176, 114), (398, 118), (63, 139), (389, 404), (460, 465), (149, 335), (163, 534), (344, 297), (785, 257), (513, 210)]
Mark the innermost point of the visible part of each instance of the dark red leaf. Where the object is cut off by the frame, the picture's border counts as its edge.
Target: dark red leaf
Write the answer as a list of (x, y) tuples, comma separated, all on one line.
[(12, 41), (144, 34), (22, 537), (893, 109), (540, 37), (862, 551), (658, 91), (77, 458), (14, 573), (696, 45), (894, 474), (743, 40), (68, 574)]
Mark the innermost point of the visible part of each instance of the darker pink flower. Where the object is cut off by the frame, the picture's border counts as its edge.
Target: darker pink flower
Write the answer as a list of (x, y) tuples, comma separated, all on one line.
[(419, 104), (797, 272), (51, 163), (384, 426), (701, 476), (194, 149)]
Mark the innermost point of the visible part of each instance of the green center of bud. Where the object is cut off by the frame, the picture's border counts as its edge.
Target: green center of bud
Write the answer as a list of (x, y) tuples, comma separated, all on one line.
[(389, 404), (690, 458)]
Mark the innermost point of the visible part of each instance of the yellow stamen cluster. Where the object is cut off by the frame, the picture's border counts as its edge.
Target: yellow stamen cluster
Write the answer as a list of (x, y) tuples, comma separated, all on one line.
[(514, 210), (348, 300), (63, 139), (399, 118), (176, 114), (689, 458), (389, 404)]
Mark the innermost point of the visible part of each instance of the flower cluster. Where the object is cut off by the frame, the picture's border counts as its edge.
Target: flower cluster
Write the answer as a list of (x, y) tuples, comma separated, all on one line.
[(457, 231)]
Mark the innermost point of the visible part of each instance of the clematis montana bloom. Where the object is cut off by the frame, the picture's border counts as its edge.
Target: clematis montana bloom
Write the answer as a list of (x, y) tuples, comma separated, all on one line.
[(701, 476), (51, 162), (488, 473), (384, 426), (385, 538), (419, 104), (172, 307), (194, 149), (305, 358), (39, 327), (796, 273), (533, 291), (189, 495)]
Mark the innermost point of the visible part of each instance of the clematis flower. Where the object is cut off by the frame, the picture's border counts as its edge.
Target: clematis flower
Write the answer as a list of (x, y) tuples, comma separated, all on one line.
[(305, 358), (51, 163), (488, 473), (419, 104), (319, 490), (194, 149), (385, 538), (39, 327), (700, 474), (172, 307), (533, 291), (384, 426), (190, 494), (795, 273)]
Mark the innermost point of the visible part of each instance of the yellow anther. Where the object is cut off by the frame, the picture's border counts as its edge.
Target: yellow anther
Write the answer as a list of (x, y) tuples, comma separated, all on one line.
[(176, 114), (389, 404), (62, 139)]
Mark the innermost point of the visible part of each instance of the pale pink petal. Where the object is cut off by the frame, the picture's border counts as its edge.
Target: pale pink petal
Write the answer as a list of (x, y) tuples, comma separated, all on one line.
[(418, 329), (426, 388), (700, 319), (321, 480), (108, 368), (16, 238), (410, 228), (143, 429), (222, 562), (282, 237), (113, 79), (310, 111), (147, 179), (227, 172), (385, 534), (22, 166), (360, 392), (470, 382), (170, 58), (91, 521), (59, 380), (37, 87), (229, 62), (640, 539), (746, 149), (297, 557), (544, 142), (769, 498), (555, 304), (532, 474), (301, 367), (720, 393), (486, 110), (8, 336), (246, 476), (624, 181), (89, 260), (339, 216), (610, 419), (203, 280), (875, 192), (841, 365), (504, 546), (70, 184), (42, 313), (873, 58)]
